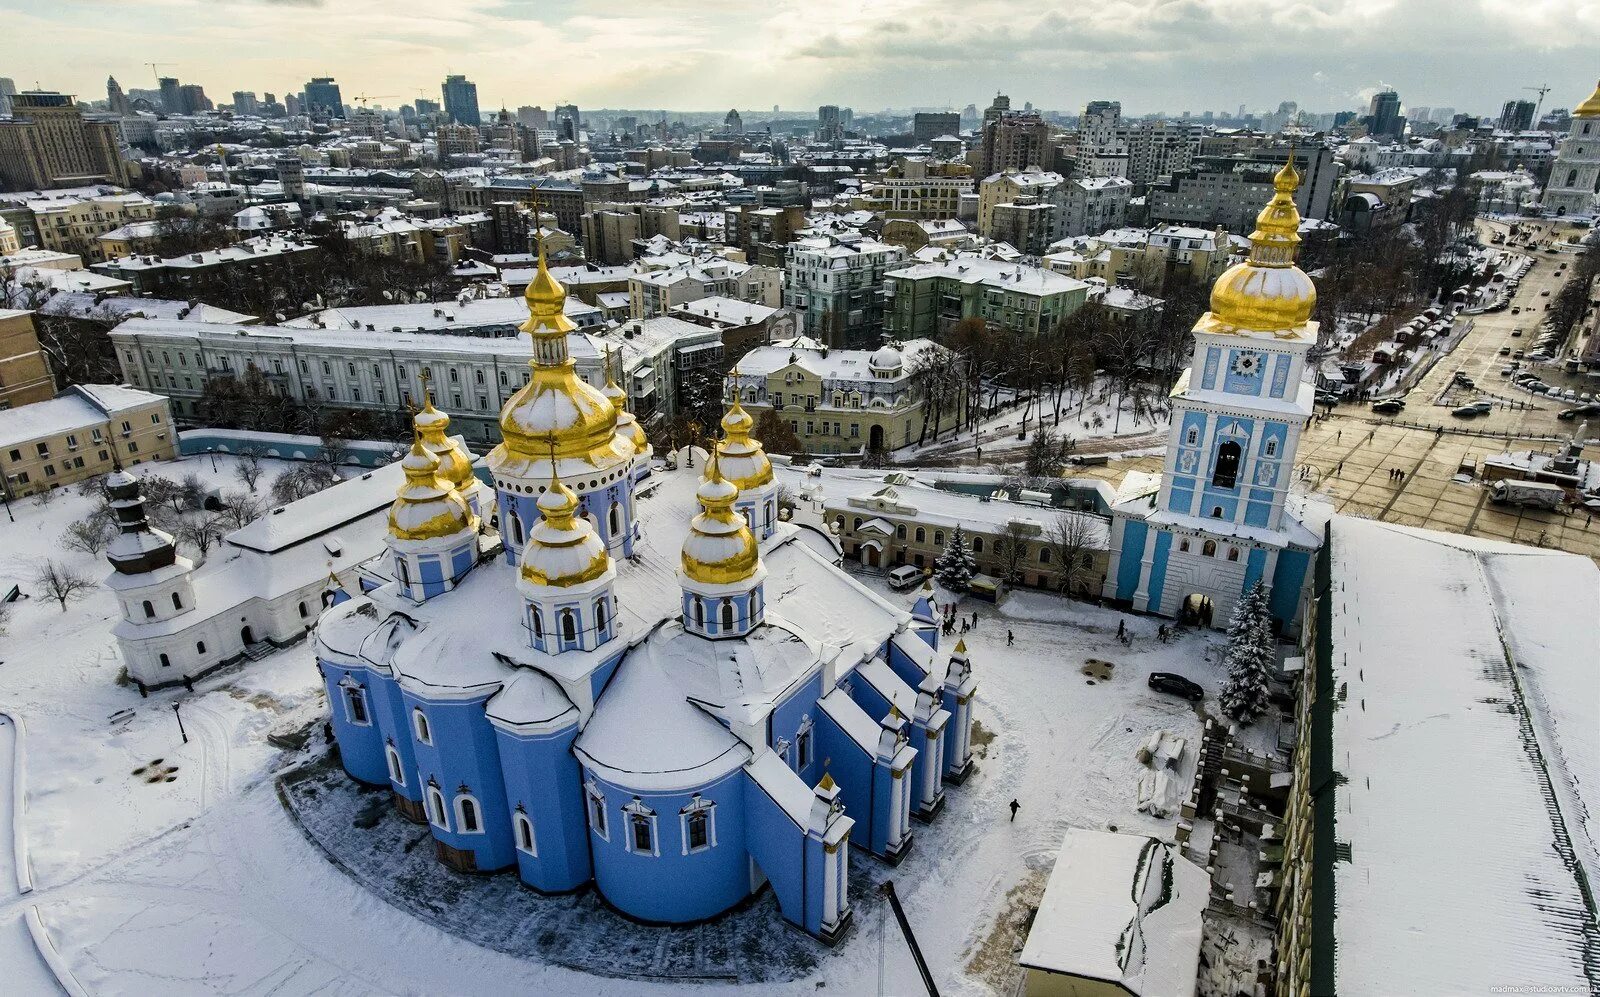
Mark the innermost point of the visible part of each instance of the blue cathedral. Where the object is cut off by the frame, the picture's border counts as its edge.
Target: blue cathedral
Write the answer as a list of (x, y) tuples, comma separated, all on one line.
[(647, 684), (1220, 519)]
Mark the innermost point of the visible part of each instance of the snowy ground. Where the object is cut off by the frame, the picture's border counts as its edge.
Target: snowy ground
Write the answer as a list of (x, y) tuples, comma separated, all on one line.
[(201, 882)]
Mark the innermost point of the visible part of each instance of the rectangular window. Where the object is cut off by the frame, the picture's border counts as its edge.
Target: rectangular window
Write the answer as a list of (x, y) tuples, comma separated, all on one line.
[(699, 835), (641, 834), (356, 702), (802, 748)]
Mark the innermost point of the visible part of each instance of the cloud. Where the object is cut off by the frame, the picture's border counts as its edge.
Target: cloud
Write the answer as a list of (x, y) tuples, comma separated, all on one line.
[(703, 54)]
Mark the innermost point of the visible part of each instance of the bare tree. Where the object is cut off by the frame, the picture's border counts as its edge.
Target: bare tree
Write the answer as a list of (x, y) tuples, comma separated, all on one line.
[(61, 583), (90, 535), (1072, 539), (1047, 454), (201, 531), (1011, 546), (248, 470), (239, 509), (300, 481)]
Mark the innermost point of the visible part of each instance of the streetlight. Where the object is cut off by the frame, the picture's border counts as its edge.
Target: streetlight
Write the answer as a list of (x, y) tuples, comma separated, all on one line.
[(180, 723), (212, 452)]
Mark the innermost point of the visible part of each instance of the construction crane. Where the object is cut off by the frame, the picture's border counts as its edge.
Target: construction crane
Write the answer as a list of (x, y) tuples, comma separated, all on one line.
[(1541, 91), (156, 71), (364, 98)]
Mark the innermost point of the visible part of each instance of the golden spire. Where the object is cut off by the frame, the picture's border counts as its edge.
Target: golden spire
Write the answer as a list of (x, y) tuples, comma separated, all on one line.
[(748, 465), (545, 296), (613, 390), (1267, 292), (1277, 233), (1589, 108)]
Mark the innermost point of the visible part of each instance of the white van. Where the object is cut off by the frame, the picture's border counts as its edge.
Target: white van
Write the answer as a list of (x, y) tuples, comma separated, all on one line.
[(905, 577)]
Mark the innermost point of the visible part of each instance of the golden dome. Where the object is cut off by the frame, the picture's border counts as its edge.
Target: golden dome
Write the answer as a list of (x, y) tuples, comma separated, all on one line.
[(562, 548), (432, 425), (556, 404), (1591, 107), (720, 549), (1267, 292), (427, 507), (740, 456), (627, 423)]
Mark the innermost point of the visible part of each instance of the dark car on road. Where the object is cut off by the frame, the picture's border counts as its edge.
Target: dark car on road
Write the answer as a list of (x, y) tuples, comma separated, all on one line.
[(1177, 685), (1390, 406)]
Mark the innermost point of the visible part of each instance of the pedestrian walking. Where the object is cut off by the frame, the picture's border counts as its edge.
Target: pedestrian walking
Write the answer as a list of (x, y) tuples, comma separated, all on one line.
[(1122, 629), (1010, 638), (974, 619), (1338, 435), (1338, 470), (1015, 806)]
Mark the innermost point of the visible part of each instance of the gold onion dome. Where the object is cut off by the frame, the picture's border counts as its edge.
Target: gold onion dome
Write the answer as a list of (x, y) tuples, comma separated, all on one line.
[(1591, 107), (433, 425), (562, 548), (556, 404), (1267, 292), (427, 507), (742, 458), (627, 423), (720, 549)]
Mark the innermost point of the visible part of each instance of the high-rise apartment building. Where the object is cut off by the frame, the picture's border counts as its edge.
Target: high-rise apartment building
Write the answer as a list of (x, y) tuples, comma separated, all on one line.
[(8, 90), (47, 143), (171, 97), (244, 102), (426, 107), (322, 98), (533, 117), (194, 99), (929, 125), (116, 100), (1015, 141), (1383, 115), (830, 123), (1516, 116), (461, 100), (568, 122)]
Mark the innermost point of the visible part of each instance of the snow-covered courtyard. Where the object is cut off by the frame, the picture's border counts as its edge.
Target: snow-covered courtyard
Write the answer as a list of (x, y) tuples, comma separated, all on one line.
[(171, 866)]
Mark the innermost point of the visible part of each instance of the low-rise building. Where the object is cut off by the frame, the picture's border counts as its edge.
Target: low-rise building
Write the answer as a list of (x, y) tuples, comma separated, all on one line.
[(70, 221), (926, 197), (1093, 204), (842, 401), (927, 298), (263, 256), (83, 432)]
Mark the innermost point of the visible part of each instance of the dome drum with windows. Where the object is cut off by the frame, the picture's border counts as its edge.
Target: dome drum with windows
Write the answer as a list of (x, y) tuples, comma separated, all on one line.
[(1267, 292)]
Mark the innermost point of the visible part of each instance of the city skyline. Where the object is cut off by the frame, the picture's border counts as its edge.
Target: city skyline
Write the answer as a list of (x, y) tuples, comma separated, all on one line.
[(900, 53)]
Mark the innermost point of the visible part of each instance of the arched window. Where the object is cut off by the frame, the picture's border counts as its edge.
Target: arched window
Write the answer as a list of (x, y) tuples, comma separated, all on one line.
[(1225, 472), (467, 821), (436, 811), (1216, 512), (600, 616), (149, 610), (177, 601), (922, 535), (397, 775), (199, 647), (1183, 546), (768, 523), (525, 842), (727, 614), (938, 538), (700, 613), (569, 625), (403, 569), (900, 531), (597, 811), (1044, 555), (1572, 178), (516, 529), (538, 623), (857, 524), (166, 662), (1233, 553), (755, 603), (419, 723), (615, 517), (1210, 548), (977, 545)]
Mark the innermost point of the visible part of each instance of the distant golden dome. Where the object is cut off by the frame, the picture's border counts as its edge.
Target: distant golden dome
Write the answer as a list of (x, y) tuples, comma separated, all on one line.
[(1591, 107), (720, 549), (455, 464), (627, 424), (1267, 292), (427, 507), (741, 457), (562, 549)]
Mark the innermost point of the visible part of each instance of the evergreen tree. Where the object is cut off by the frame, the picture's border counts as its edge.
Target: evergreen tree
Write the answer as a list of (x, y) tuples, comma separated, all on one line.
[(1252, 651), (955, 567)]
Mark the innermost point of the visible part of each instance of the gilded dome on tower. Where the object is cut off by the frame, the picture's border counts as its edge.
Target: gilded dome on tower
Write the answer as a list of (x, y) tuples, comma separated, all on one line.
[(720, 549), (427, 507), (740, 456), (1589, 108), (556, 404), (432, 426), (627, 423), (1267, 292), (563, 548)]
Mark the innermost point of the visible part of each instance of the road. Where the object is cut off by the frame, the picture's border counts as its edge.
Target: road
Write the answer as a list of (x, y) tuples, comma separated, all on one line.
[(25, 971)]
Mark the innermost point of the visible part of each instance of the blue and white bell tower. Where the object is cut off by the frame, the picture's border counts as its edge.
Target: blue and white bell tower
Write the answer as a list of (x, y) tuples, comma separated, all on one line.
[(1217, 521)]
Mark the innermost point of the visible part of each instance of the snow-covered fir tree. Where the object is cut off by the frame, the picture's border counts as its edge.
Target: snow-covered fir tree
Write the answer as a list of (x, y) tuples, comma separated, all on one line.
[(1252, 651), (955, 567)]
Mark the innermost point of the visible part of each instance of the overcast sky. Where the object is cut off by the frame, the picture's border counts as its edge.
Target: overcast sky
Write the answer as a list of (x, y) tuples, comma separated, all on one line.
[(1153, 55)]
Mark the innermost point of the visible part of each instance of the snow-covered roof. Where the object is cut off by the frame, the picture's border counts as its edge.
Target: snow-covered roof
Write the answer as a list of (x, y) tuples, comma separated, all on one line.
[(1466, 741), (1124, 909), (730, 310), (82, 304), (310, 517), (998, 274), (843, 365), (79, 407)]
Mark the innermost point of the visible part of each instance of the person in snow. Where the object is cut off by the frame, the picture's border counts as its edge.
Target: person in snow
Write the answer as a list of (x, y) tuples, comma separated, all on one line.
[(1015, 806), (1010, 639), (1122, 629)]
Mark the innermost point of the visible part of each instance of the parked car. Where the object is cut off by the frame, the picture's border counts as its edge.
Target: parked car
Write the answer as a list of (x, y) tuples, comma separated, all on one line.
[(1518, 354), (1505, 351), (1516, 333), (1517, 310), (1465, 411), (905, 577), (1391, 406), (1483, 406), (1567, 414), (1545, 293), (1176, 685)]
